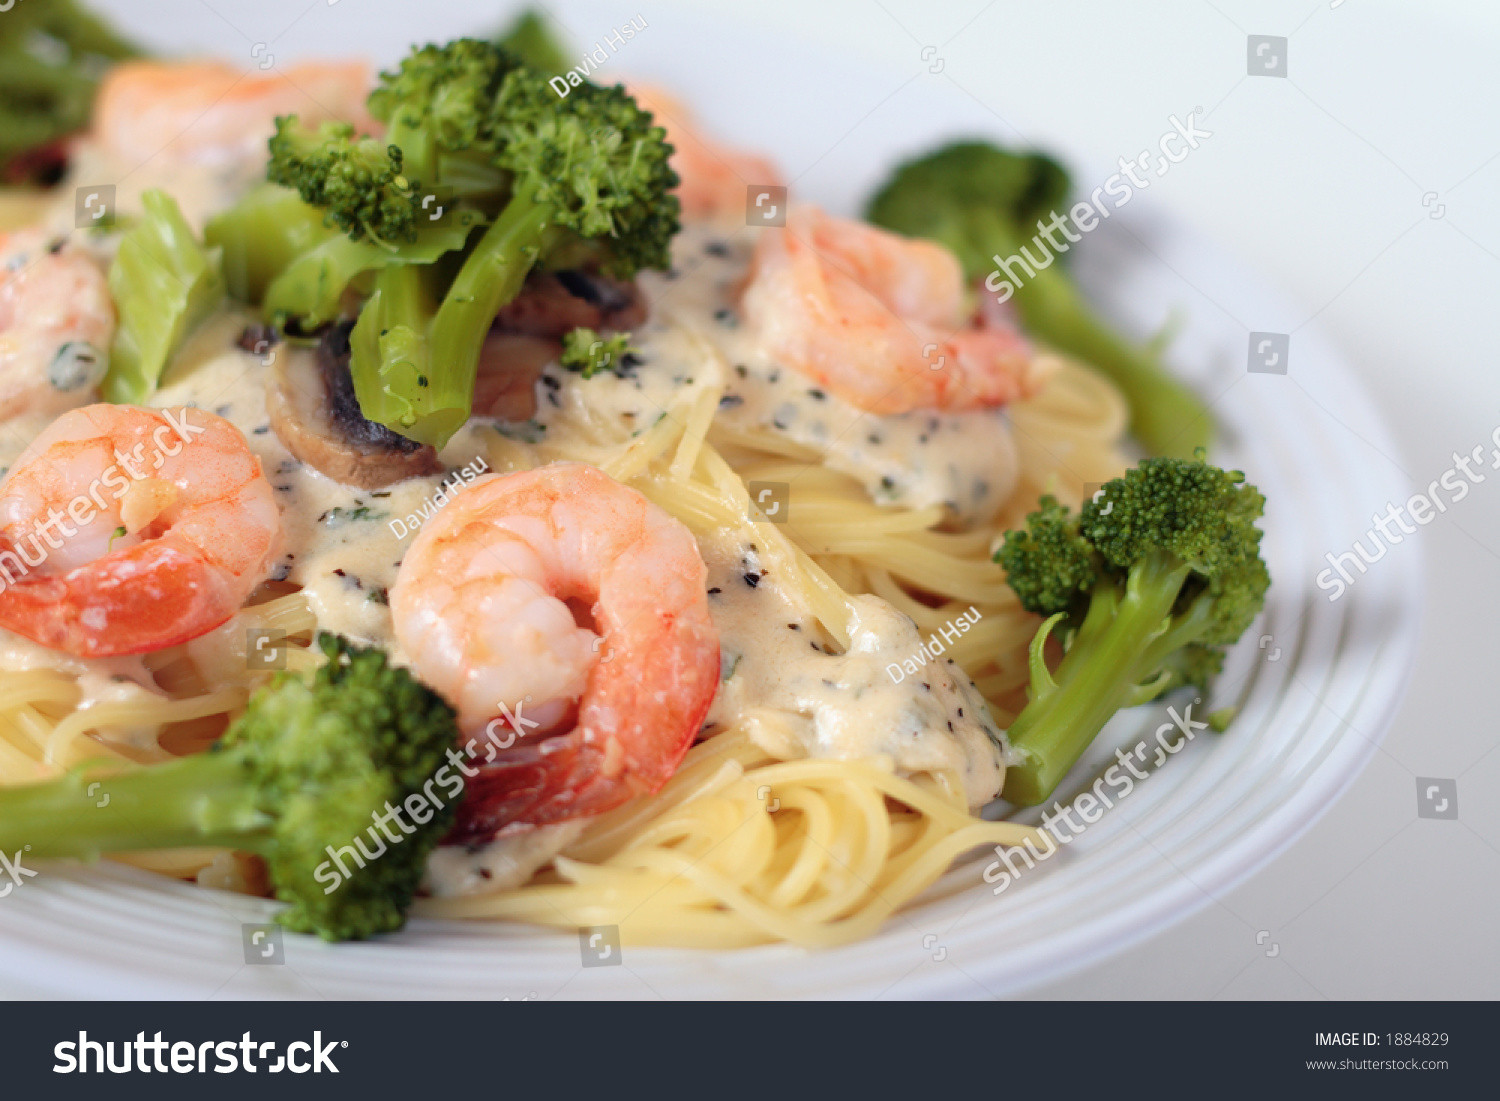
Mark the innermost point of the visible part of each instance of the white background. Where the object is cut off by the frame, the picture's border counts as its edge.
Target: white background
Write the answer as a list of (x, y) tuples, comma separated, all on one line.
[(1318, 180)]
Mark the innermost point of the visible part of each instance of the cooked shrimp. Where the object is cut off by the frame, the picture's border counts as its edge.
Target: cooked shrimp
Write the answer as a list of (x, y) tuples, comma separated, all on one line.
[(125, 530), (56, 322), (488, 603), (213, 111), (880, 319), (715, 178)]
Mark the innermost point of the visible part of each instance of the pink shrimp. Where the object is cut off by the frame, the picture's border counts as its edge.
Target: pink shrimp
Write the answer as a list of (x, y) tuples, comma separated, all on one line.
[(880, 319), (56, 322), (211, 110), (715, 178), (125, 530), (488, 605)]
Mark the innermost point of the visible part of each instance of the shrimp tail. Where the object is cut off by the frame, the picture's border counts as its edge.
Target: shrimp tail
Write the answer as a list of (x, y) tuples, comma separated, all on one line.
[(153, 595), (590, 770)]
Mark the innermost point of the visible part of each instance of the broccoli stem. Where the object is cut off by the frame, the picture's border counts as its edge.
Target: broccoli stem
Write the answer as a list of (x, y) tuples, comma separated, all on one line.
[(47, 85), (164, 283), (261, 236), (199, 800), (390, 362), (1118, 643), (84, 32), (419, 152), (428, 399), (1166, 416), (311, 287), (491, 277)]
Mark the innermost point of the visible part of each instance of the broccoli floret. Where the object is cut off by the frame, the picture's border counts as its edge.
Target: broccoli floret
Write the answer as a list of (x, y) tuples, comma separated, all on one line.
[(438, 107), (529, 39), (305, 769), (984, 202), (559, 182), (585, 350), (1152, 580), (586, 180), (164, 282), (357, 182), (51, 57), (1049, 563)]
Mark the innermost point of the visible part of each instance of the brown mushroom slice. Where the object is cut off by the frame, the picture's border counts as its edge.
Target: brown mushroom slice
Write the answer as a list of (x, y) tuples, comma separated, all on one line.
[(554, 303), (316, 415), (509, 365)]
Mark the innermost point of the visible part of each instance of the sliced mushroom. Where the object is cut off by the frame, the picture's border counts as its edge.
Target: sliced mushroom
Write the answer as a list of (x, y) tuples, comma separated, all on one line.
[(315, 413), (553, 304)]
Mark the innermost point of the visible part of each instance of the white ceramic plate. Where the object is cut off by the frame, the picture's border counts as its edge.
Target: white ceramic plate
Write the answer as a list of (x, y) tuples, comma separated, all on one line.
[(1317, 681)]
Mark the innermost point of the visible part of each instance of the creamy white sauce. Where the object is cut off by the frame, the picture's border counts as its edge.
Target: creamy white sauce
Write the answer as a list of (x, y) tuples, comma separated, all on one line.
[(796, 697), (202, 188), (507, 861)]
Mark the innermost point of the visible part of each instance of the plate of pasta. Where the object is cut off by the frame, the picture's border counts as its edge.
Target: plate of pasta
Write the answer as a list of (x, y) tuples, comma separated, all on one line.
[(470, 528)]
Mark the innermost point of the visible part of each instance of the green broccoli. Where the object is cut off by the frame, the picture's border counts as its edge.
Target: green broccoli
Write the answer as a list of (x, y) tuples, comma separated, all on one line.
[(279, 251), (984, 203), (164, 282), (51, 56), (304, 771), (1156, 576), (587, 351), (529, 39), (262, 234), (357, 182), (585, 181), (438, 107), (557, 182)]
